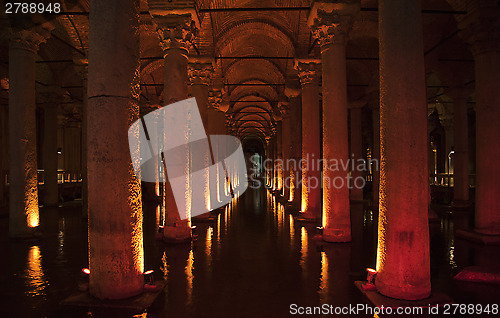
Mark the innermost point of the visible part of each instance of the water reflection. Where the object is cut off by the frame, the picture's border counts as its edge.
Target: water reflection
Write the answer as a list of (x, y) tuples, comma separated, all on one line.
[(36, 281)]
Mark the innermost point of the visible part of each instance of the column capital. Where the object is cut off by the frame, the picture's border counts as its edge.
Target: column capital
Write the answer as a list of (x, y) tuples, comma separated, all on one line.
[(481, 30), (200, 70), (214, 99), (284, 109), (308, 70), (81, 66), (176, 29), (29, 39), (331, 21)]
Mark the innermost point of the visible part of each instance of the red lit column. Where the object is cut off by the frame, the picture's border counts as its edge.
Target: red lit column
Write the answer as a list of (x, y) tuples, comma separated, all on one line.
[(310, 180), (23, 192), (296, 140), (403, 231), (461, 148), (330, 23), (116, 254), (200, 71), (357, 181), (176, 31), (374, 104), (482, 29), (51, 193), (286, 145)]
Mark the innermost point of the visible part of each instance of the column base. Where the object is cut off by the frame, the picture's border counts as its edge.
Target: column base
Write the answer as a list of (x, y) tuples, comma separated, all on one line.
[(336, 236), (308, 217), (177, 233), (408, 292), (477, 237), (430, 303), (476, 274), (30, 234)]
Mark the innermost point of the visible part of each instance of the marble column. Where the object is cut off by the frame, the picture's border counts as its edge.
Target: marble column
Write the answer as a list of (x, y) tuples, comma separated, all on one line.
[(51, 192), (357, 175), (403, 231), (116, 253), (293, 93), (482, 30), (200, 70), (308, 70), (330, 23), (286, 134), (461, 148), (23, 188), (176, 30)]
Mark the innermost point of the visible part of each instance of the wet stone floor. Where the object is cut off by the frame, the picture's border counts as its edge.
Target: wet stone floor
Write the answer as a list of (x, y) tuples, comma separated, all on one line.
[(254, 260)]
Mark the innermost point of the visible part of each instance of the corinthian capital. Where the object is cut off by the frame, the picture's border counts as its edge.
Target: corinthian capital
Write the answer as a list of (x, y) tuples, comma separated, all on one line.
[(29, 39), (215, 98), (331, 21), (200, 70), (176, 29), (308, 70)]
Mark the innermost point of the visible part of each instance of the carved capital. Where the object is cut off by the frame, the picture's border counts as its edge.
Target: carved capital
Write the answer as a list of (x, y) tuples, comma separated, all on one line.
[(214, 98), (176, 30), (29, 39), (481, 30), (330, 22), (308, 70), (200, 71)]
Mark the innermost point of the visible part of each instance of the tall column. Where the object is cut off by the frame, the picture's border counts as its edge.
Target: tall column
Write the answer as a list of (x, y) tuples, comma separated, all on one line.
[(116, 253), (356, 185), (403, 231), (279, 156), (286, 135), (4, 145), (374, 104), (330, 23), (482, 30), (200, 71), (308, 70), (176, 29), (292, 92), (23, 189), (51, 195), (461, 148)]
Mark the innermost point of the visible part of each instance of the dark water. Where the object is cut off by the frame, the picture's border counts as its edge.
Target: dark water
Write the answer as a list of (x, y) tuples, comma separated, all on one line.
[(253, 261)]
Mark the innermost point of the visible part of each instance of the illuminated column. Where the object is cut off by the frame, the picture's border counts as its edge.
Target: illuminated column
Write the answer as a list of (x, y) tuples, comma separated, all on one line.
[(482, 30), (356, 150), (461, 148), (176, 29), (286, 145), (293, 93), (116, 254), (308, 70), (49, 151), (200, 71), (279, 155), (374, 104), (330, 23), (267, 165), (213, 127), (403, 231), (23, 192)]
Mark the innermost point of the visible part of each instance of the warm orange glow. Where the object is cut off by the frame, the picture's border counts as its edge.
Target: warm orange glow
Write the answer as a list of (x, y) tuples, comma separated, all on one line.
[(323, 287), (149, 272), (371, 270), (190, 276), (158, 215), (32, 217), (164, 266), (86, 271), (36, 280), (303, 249), (292, 229), (292, 187), (157, 189)]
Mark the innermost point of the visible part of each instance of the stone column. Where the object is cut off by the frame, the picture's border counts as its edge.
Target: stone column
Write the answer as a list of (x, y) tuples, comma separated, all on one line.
[(200, 70), (286, 134), (308, 70), (403, 232), (4, 134), (293, 93), (374, 104), (330, 23), (81, 67), (23, 189), (176, 29), (482, 30), (461, 148), (356, 185), (51, 195), (279, 156), (115, 209)]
